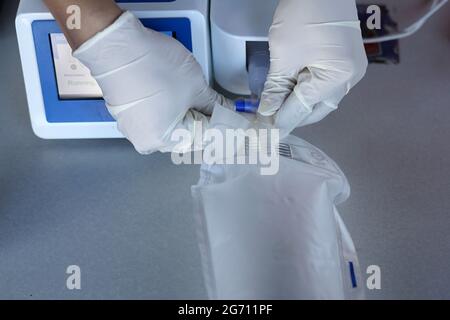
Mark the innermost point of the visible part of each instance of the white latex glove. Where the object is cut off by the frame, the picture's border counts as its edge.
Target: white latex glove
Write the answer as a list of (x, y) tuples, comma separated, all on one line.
[(151, 83), (317, 56)]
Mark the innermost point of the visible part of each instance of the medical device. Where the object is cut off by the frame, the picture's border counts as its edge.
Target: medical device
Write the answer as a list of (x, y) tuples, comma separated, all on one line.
[(233, 39), (64, 100), (229, 38)]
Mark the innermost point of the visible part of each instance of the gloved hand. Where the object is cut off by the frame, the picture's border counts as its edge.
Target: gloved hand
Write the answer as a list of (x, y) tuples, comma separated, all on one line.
[(151, 83), (317, 56)]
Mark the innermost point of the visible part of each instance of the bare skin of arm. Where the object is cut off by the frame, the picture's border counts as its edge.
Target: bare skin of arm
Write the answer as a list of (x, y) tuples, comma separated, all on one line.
[(95, 16)]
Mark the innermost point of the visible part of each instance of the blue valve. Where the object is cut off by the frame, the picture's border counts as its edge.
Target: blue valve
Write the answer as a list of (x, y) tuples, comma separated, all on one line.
[(247, 105)]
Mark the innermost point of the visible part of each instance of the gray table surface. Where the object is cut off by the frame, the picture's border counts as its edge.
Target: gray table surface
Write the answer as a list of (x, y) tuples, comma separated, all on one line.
[(126, 220)]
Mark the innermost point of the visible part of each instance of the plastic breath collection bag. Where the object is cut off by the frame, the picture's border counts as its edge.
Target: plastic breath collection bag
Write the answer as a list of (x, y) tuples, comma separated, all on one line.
[(278, 236)]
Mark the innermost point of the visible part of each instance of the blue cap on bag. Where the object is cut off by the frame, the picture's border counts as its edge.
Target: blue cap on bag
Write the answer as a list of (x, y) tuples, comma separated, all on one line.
[(247, 105)]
